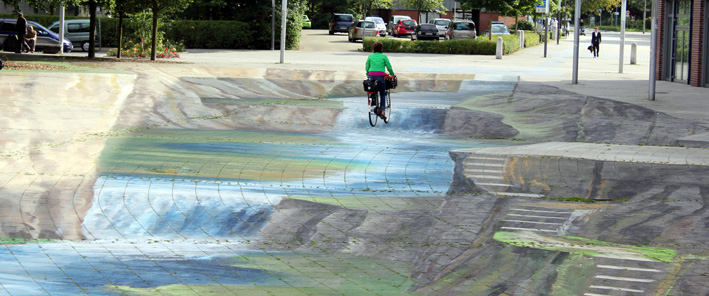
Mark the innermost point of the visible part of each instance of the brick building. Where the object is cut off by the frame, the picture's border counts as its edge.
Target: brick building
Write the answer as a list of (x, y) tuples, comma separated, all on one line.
[(682, 42)]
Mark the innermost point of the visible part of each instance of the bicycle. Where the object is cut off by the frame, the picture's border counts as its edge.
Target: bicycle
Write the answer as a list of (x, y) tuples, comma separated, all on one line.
[(372, 89)]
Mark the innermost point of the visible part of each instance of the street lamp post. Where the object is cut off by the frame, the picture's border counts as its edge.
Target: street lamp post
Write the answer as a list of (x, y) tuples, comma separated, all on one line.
[(284, 12)]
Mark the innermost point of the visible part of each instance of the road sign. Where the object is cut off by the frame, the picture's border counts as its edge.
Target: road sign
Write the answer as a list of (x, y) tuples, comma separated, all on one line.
[(542, 6)]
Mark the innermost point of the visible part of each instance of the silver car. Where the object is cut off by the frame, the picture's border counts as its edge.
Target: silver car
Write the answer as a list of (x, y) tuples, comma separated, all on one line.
[(358, 30), (461, 30), (441, 25), (381, 25)]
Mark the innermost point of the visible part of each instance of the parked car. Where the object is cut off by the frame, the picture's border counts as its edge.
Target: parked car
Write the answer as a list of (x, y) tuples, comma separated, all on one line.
[(379, 22), (395, 20), (498, 28), (77, 31), (340, 22), (404, 27), (47, 41), (442, 25), (360, 29), (461, 30), (425, 32), (306, 22)]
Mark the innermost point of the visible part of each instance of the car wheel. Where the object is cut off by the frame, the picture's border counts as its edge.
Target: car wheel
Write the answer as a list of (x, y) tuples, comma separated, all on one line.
[(332, 33), (85, 46)]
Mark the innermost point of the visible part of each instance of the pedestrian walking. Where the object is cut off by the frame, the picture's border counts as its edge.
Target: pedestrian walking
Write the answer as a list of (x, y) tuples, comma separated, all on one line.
[(21, 31), (595, 41)]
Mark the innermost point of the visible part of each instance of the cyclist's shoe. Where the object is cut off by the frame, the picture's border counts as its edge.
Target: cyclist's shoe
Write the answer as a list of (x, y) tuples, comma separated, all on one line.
[(382, 116)]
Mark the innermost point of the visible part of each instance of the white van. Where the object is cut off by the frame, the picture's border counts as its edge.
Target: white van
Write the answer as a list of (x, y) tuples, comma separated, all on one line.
[(394, 20), (77, 31)]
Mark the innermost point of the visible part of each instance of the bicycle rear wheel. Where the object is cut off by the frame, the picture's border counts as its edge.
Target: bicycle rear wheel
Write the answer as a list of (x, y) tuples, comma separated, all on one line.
[(372, 109), (387, 111)]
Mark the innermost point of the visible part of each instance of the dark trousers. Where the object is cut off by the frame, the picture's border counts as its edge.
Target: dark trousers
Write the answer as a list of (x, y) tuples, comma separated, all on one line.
[(382, 90), (595, 48), (21, 43)]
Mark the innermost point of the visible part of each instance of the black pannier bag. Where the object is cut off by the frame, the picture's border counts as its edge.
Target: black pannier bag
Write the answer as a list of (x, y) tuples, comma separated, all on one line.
[(392, 82), (370, 85)]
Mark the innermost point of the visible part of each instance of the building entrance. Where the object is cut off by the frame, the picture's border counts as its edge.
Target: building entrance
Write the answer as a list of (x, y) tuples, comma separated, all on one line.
[(679, 20)]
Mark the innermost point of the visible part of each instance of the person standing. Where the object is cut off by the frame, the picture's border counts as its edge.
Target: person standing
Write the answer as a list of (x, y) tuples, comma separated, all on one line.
[(21, 31), (595, 41)]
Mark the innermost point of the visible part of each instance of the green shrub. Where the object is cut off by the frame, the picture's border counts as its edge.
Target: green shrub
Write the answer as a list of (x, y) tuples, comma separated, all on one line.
[(479, 46), (524, 25), (211, 34)]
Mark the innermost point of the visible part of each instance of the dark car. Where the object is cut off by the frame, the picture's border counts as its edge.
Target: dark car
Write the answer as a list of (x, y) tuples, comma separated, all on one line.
[(404, 27), (340, 22), (425, 32), (47, 41)]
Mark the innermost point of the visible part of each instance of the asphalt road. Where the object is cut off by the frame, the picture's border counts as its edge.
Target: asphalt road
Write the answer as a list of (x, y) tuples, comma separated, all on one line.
[(321, 40)]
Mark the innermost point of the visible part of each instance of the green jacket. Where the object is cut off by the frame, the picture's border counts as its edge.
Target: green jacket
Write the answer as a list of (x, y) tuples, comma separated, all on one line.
[(377, 62)]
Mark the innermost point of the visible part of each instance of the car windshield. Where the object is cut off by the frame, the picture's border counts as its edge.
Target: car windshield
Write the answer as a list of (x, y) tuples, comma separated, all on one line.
[(344, 18), (464, 26), (499, 29), (408, 22), (376, 20), (441, 22), (366, 25)]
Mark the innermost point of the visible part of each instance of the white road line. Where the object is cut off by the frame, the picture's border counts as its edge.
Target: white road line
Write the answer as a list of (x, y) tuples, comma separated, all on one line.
[(484, 164), (484, 177), (538, 211), (519, 194), (628, 268), (617, 289), (534, 222), (625, 279), (531, 216), (529, 229), (625, 258), (482, 171), (592, 294)]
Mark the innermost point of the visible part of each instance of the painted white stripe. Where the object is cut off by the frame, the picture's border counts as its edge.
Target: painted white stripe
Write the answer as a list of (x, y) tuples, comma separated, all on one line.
[(625, 258), (534, 222), (539, 211), (519, 194), (628, 268), (484, 164), (617, 289), (484, 177), (531, 216), (483, 171), (624, 279), (528, 229), (493, 184), (592, 294)]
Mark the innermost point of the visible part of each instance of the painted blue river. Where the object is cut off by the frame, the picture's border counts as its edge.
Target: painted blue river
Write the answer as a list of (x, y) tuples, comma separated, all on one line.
[(151, 231)]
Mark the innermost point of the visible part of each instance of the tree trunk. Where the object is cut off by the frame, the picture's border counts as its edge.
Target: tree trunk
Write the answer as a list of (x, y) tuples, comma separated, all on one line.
[(154, 46), (92, 27), (120, 35)]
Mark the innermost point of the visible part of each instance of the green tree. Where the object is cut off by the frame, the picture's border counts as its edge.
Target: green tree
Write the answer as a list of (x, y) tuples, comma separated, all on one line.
[(158, 7), (122, 9), (425, 5)]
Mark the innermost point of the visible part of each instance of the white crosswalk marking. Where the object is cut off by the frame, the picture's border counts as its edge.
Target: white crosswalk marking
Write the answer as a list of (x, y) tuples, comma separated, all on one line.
[(528, 229), (617, 289), (625, 279), (628, 268), (532, 222), (542, 217)]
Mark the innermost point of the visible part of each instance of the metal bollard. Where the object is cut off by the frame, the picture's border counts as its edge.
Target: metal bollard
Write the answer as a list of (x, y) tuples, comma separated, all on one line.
[(634, 53), (499, 48), (520, 35)]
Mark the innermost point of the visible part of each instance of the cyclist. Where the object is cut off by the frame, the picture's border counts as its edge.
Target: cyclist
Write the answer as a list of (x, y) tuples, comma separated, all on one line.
[(377, 62)]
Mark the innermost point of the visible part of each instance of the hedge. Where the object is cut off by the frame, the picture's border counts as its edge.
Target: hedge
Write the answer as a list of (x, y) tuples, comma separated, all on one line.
[(196, 34), (478, 46)]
